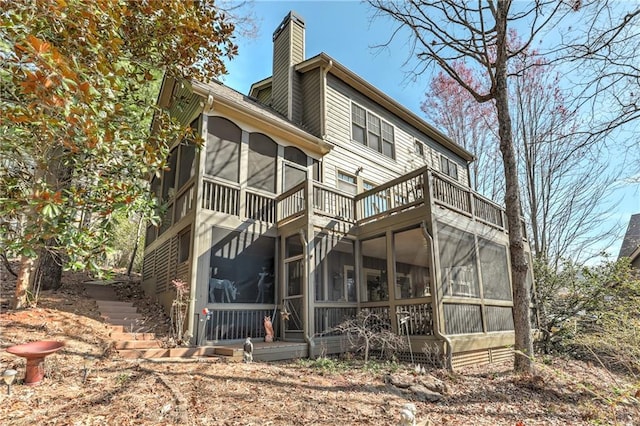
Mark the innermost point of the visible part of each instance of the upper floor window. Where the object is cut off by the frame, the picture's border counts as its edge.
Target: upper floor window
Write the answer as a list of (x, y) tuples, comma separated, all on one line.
[(418, 148), (370, 130), (448, 167)]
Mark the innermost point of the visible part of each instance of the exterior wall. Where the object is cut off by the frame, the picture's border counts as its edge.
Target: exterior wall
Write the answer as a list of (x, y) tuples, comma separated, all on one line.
[(264, 95), (376, 167), (311, 101)]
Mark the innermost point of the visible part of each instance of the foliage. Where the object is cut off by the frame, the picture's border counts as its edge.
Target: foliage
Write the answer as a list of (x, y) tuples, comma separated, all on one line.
[(123, 238), (591, 311), (76, 101), (368, 331)]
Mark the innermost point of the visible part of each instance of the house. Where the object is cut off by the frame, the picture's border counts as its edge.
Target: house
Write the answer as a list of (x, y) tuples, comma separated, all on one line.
[(316, 196), (631, 242)]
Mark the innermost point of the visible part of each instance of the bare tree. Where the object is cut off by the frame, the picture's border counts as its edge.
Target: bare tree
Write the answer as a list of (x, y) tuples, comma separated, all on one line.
[(442, 32)]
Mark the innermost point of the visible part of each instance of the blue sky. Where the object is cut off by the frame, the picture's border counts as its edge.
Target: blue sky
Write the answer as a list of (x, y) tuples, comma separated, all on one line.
[(343, 29)]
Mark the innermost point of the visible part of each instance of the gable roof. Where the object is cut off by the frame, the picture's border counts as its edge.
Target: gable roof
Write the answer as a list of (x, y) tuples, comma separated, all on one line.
[(631, 240), (358, 83), (215, 96)]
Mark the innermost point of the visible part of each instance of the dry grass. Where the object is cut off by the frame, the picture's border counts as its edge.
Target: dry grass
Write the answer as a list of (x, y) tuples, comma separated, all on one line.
[(122, 392)]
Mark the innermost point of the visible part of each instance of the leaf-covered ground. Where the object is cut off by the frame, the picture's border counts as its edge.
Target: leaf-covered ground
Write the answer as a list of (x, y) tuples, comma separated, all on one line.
[(125, 392)]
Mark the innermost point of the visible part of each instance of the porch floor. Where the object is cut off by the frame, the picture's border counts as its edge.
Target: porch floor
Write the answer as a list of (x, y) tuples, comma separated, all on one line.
[(274, 351)]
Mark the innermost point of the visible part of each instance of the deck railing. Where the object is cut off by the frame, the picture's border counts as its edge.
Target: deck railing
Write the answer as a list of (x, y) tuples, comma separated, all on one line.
[(292, 203), (236, 324), (416, 320), (327, 319), (399, 194), (260, 207), (220, 197), (332, 203)]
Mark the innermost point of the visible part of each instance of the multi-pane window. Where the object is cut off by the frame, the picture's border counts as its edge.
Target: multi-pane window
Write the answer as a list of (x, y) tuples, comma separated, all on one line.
[(347, 183), (368, 129), (418, 148), (448, 167)]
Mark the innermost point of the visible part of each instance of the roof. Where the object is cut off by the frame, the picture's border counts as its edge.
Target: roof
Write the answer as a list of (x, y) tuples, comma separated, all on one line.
[(223, 98), (631, 240)]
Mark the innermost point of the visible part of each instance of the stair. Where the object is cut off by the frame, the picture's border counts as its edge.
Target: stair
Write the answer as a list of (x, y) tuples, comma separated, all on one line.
[(129, 333)]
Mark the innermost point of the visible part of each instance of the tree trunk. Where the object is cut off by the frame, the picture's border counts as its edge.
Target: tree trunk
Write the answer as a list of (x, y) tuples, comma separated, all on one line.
[(23, 282), (48, 274), (521, 297)]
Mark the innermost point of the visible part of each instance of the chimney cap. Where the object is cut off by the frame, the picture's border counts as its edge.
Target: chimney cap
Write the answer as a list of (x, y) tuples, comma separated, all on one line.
[(291, 17)]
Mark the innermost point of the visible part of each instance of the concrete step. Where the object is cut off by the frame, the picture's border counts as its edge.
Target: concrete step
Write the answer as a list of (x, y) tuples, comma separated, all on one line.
[(137, 344), (119, 335)]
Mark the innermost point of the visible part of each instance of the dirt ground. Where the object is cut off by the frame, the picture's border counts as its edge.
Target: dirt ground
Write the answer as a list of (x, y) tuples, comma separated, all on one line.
[(131, 392)]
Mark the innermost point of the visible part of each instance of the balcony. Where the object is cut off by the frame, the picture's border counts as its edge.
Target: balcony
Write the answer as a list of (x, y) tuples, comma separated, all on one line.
[(413, 190)]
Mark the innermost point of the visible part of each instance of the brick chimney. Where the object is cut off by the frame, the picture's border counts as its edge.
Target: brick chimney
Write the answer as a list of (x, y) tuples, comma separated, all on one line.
[(288, 50)]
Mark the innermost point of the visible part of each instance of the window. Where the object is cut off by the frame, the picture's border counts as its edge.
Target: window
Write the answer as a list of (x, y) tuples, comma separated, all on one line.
[(359, 123), (347, 183), (418, 148), (261, 170), (295, 167), (169, 176), (368, 129), (448, 167), (317, 170)]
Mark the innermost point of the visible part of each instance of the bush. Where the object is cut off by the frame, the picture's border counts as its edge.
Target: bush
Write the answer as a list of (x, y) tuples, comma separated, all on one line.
[(591, 312), (368, 332)]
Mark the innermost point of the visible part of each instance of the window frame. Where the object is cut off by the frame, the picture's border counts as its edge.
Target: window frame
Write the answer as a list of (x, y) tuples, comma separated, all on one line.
[(419, 146), (449, 167), (384, 131)]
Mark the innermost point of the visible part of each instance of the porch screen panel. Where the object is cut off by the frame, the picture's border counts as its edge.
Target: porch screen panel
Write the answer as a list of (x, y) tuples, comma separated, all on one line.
[(187, 164), (462, 319), (374, 274), (412, 264), (334, 255), (223, 149), (262, 162), (242, 266), (169, 176), (459, 269), (499, 318), (495, 270)]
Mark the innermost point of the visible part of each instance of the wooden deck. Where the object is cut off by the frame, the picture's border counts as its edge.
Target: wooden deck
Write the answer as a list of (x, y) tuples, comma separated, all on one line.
[(262, 351)]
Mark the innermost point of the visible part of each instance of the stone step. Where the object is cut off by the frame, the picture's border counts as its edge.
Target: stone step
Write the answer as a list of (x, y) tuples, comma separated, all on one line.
[(120, 315), (137, 344), (120, 335)]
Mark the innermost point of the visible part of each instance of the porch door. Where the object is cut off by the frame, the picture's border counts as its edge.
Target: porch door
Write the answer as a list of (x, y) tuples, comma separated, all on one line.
[(293, 300)]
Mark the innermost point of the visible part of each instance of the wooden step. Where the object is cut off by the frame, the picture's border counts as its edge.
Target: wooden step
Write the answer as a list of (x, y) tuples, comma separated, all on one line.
[(137, 344), (115, 308), (111, 303), (143, 353), (202, 351), (120, 315), (128, 325), (120, 335), (232, 354)]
